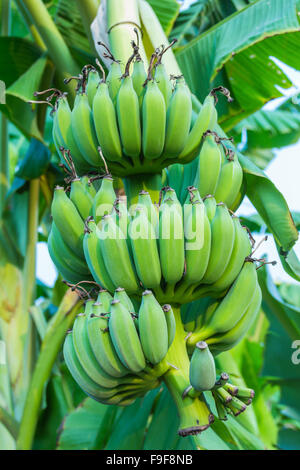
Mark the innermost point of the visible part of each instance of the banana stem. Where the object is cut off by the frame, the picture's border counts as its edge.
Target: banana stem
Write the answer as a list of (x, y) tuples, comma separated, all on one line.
[(9, 422), (50, 347), (30, 25), (134, 184), (194, 413)]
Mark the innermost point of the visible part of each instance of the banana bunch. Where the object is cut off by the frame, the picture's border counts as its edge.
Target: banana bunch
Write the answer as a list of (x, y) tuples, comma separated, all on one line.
[(216, 172), (140, 121), (116, 355), (224, 322)]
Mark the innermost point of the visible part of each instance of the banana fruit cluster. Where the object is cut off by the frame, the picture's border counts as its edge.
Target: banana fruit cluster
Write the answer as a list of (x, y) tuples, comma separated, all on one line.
[(221, 324), (216, 171), (141, 120), (116, 355)]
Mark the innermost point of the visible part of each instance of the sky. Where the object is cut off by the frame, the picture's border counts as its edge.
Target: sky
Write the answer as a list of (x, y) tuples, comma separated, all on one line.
[(284, 171)]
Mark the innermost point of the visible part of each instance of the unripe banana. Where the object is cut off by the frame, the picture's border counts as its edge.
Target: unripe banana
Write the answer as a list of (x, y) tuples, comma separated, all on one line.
[(144, 200), (163, 82), (128, 113), (92, 84), (69, 274), (125, 337), (106, 126), (102, 346), (193, 197), (230, 182), (116, 256), (153, 328), (86, 356), (62, 116), (144, 249), (68, 221), (114, 80), (202, 368), (171, 241), (67, 256), (204, 121), (179, 115), (241, 249), (79, 375), (104, 199), (154, 121), (82, 200), (139, 77), (230, 338), (234, 304), (198, 243), (84, 131), (105, 299), (120, 294), (170, 195), (209, 166), (94, 257), (88, 186), (210, 206), (171, 323), (222, 239)]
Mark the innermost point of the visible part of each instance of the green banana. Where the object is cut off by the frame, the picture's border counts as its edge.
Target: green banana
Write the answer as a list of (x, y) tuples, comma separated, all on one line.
[(84, 130), (234, 304), (82, 200), (105, 299), (62, 117), (206, 119), (88, 186), (104, 199), (125, 337), (222, 239), (144, 249), (92, 85), (66, 255), (179, 115), (86, 356), (154, 121), (230, 338), (163, 82), (94, 257), (68, 221), (198, 243), (210, 206), (128, 113), (171, 323), (105, 121), (153, 328), (171, 241), (69, 274), (114, 80), (202, 368), (102, 346), (209, 166), (116, 256), (120, 294), (241, 249), (139, 77), (79, 375), (230, 182), (144, 200)]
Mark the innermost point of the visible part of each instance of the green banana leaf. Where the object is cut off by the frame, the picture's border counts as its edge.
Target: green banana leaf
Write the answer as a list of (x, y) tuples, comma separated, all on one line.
[(35, 161), (166, 12), (240, 46)]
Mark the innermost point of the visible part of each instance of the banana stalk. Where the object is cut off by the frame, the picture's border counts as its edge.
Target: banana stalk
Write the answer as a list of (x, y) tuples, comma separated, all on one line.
[(194, 413)]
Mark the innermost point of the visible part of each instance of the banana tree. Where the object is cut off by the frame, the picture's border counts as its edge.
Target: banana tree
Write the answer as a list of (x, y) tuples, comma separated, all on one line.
[(41, 46)]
